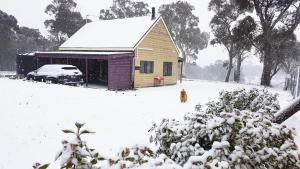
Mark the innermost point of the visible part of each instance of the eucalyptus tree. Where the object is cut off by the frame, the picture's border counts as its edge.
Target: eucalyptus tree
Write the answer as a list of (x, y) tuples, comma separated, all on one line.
[(273, 16), (8, 27), (183, 27), (243, 35), (31, 40), (64, 19), (229, 32)]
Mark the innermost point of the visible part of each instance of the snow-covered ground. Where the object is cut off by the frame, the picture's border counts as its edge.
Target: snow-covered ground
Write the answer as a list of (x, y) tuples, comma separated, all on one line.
[(33, 114)]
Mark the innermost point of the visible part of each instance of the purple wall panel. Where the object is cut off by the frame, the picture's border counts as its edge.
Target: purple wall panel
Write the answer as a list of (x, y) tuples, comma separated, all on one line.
[(119, 73)]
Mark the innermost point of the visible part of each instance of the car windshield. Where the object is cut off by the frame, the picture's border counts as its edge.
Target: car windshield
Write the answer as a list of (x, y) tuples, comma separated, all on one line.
[(69, 68)]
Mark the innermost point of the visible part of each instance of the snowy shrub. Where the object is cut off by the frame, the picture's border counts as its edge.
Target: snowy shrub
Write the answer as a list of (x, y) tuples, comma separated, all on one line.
[(139, 157), (235, 132), (129, 157), (254, 100), (76, 154)]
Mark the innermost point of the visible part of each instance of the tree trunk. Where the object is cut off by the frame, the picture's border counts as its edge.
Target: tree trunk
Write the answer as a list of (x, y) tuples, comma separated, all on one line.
[(237, 74), (229, 69), (184, 58), (266, 74), (267, 66)]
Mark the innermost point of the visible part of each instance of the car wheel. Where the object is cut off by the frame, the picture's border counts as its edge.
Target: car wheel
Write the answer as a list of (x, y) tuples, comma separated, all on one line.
[(30, 78), (48, 81), (51, 80)]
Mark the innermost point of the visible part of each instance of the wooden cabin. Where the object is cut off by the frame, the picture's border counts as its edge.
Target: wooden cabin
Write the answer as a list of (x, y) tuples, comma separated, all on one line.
[(124, 53)]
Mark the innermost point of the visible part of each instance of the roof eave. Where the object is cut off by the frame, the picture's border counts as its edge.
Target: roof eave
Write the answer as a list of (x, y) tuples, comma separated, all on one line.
[(96, 49)]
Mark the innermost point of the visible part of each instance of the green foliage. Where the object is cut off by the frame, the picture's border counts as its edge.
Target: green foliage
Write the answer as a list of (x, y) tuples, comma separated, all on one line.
[(76, 153)]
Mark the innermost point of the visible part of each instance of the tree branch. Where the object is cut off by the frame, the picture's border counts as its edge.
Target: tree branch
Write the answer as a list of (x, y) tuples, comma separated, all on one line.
[(281, 14), (285, 113), (259, 12)]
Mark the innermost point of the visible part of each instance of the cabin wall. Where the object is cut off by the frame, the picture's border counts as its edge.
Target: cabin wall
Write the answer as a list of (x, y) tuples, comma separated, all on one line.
[(157, 46), (119, 73)]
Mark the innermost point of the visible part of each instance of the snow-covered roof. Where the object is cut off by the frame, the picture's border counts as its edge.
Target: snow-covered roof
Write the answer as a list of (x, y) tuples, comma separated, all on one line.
[(117, 34)]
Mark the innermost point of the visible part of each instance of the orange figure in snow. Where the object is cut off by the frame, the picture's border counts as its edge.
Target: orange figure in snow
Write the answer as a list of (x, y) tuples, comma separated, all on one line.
[(183, 96)]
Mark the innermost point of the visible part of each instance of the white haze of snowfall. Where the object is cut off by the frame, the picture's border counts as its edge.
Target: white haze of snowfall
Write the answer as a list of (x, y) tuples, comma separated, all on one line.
[(250, 73), (36, 17), (33, 115)]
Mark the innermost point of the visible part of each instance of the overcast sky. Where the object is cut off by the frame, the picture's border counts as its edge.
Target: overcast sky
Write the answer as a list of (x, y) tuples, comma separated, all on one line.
[(30, 13)]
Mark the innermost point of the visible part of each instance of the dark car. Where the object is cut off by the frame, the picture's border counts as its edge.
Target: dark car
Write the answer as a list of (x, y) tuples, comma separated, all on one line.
[(57, 73)]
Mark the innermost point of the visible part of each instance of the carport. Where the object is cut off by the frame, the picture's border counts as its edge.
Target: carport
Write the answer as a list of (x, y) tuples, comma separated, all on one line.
[(113, 69)]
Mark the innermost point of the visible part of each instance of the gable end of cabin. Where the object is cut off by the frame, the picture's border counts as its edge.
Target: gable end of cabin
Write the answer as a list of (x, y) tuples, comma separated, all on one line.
[(156, 55)]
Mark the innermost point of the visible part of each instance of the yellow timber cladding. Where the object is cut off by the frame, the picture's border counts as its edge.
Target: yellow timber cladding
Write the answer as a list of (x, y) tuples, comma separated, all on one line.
[(157, 46)]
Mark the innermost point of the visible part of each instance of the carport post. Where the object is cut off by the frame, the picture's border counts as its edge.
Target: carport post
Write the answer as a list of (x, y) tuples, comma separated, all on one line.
[(86, 72), (37, 62)]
